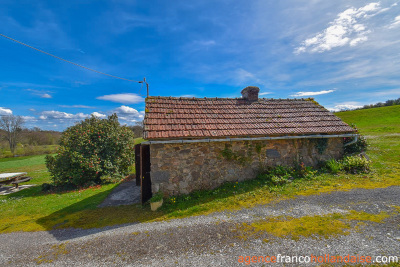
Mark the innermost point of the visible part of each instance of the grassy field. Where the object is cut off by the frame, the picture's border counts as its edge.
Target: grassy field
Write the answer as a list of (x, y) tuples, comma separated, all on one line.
[(381, 126), (33, 165), (31, 210), (28, 150), (374, 121)]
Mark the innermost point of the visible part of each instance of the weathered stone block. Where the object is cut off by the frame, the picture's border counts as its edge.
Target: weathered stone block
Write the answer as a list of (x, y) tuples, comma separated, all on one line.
[(160, 176), (273, 153)]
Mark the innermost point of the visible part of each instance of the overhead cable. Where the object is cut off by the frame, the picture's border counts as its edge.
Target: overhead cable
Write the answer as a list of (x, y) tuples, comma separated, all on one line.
[(73, 63)]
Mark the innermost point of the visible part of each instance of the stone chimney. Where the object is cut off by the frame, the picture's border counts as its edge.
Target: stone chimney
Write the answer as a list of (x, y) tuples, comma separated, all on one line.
[(250, 93)]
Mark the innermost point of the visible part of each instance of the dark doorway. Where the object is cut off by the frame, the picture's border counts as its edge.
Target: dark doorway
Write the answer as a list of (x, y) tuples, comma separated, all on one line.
[(137, 164), (145, 172)]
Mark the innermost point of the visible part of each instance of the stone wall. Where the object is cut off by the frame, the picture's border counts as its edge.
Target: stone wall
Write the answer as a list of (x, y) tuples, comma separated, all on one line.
[(182, 168)]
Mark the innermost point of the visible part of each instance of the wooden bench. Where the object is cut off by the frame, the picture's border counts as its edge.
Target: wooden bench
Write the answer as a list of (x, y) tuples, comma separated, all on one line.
[(14, 178), (21, 180)]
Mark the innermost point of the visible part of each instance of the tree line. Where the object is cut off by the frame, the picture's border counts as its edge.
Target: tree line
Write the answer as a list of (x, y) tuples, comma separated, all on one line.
[(391, 102), (13, 132)]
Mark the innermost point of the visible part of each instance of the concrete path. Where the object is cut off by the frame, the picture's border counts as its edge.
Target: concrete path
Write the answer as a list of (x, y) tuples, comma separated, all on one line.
[(126, 193), (213, 240)]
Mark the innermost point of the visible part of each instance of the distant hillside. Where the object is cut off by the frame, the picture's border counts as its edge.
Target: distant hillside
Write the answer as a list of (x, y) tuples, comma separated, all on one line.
[(375, 120), (33, 137), (390, 102)]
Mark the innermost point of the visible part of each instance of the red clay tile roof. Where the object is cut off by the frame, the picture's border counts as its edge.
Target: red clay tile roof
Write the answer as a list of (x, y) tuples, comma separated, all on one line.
[(179, 117)]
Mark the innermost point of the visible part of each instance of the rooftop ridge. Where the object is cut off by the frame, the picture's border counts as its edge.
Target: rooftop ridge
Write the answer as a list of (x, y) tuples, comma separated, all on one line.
[(190, 117), (224, 98)]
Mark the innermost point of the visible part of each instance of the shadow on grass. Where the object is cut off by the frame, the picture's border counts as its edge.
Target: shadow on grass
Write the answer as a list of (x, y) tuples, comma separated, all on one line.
[(85, 218)]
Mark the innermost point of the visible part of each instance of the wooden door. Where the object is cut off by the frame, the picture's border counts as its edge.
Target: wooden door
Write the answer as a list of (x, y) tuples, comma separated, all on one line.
[(137, 164), (145, 173)]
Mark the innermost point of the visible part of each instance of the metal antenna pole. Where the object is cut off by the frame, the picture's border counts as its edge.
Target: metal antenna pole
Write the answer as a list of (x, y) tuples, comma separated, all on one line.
[(147, 86)]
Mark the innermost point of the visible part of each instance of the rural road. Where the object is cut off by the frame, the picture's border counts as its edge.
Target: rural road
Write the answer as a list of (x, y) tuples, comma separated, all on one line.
[(212, 240)]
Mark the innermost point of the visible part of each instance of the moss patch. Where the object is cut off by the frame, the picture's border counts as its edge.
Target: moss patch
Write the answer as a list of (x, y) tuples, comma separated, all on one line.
[(308, 226), (53, 254), (319, 226)]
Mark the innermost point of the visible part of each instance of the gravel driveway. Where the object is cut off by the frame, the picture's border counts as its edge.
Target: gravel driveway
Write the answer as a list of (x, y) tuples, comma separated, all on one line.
[(211, 240)]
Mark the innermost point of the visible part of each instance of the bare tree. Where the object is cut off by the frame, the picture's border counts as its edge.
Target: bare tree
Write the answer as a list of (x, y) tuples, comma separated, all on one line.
[(12, 125), (137, 129)]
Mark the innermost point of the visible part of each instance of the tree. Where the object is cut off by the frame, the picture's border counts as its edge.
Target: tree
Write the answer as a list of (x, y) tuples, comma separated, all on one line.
[(137, 129), (91, 152), (12, 125)]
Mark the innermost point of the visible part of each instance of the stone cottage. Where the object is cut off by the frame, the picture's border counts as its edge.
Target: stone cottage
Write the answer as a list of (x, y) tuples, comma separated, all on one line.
[(200, 143)]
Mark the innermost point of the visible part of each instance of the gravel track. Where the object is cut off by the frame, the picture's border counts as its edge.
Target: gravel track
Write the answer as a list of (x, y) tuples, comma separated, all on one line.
[(210, 240)]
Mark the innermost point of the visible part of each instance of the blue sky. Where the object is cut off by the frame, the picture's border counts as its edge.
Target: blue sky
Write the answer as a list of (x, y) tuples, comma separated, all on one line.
[(343, 53)]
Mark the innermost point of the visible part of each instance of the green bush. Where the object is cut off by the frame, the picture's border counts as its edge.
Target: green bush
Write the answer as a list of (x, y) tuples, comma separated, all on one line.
[(333, 166), (91, 152), (277, 175), (280, 180), (355, 164), (280, 175), (359, 146), (303, 171)]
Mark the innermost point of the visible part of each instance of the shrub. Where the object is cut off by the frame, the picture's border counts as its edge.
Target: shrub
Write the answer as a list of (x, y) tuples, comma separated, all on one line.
[(47, 187), (156, 197), (355, 164), (303, 171), (278, 175), (91, 151), (359, 146), (280, 180), (333, 166)]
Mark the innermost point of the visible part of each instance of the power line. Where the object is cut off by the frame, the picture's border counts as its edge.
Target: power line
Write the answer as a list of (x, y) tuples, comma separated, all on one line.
[(73, 63)]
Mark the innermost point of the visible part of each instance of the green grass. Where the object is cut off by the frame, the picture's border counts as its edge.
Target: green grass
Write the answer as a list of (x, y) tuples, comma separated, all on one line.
[(31, 210), (33, 165), (381, 126), (28, 150), (139, 140), (374, 121)]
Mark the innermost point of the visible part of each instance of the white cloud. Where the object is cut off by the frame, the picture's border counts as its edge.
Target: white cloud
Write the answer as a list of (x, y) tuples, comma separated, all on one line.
[(5, 111), (242, 75), (345, 106), (346, 29), (265, 93), (52, 114), (385, 93), (75, 106), (46, 96), (128, 98), (128, 114), (126, 110), (29, 118), (41, 94), (99, 115), (395, 23), (313, 93), (187, 96)]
